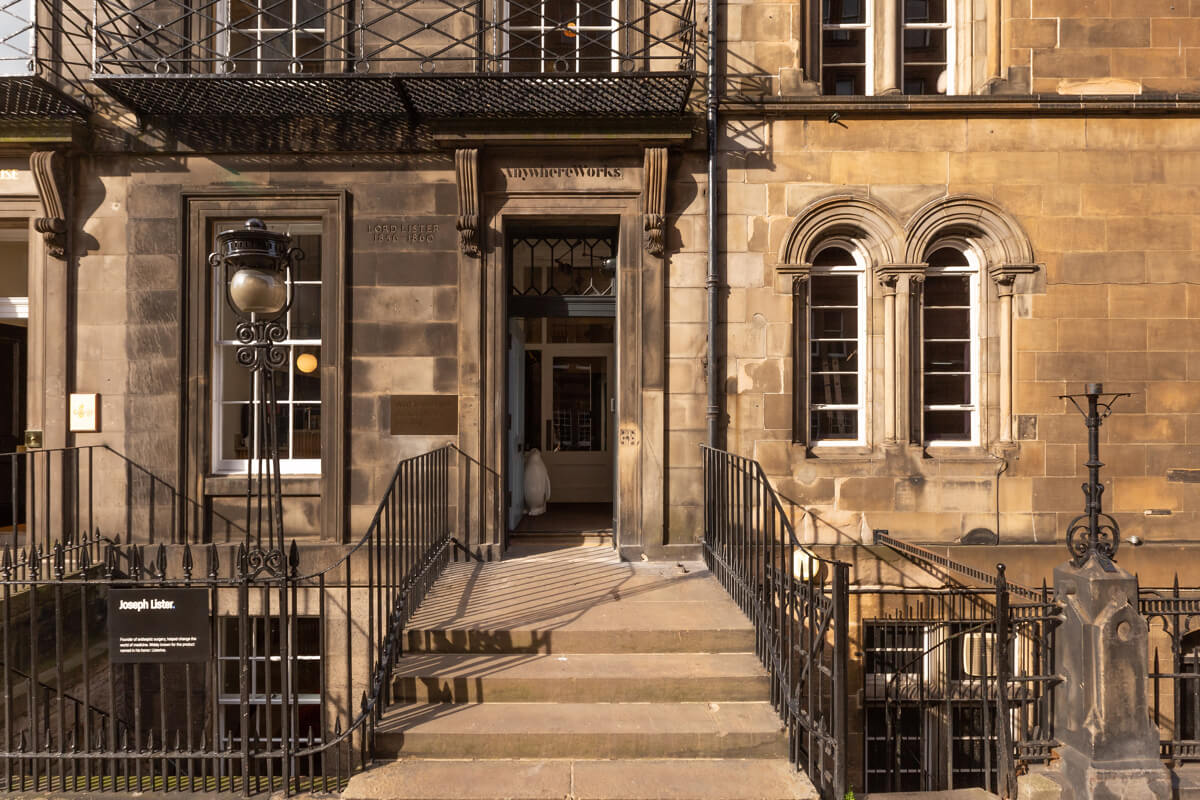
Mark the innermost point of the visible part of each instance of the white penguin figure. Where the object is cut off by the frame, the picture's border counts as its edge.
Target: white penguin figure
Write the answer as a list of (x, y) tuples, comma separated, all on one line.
[(537, 483)]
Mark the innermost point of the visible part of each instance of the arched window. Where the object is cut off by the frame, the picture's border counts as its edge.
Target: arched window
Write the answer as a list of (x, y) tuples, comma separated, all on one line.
[(829, 326), (948, 359)]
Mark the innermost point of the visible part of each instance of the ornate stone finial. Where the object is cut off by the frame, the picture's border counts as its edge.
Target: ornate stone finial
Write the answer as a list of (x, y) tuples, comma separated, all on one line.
[(50, 176), (466, 170), (654, 191)]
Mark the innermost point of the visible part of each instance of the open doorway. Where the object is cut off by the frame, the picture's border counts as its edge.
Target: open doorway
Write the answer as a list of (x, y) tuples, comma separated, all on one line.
[(562, 380), (14, 356)]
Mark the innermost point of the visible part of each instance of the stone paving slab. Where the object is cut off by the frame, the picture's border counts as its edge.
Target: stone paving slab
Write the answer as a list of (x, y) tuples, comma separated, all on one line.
[(635, 779)]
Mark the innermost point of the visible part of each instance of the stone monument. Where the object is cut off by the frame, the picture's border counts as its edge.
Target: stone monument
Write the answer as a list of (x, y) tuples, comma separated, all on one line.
[(1108, 744)]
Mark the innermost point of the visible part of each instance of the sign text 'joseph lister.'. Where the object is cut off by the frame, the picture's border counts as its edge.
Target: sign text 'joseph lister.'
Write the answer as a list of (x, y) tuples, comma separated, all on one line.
[(156, 625)]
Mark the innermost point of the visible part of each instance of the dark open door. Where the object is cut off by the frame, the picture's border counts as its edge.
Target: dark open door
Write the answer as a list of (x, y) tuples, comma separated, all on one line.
[(12, 422)]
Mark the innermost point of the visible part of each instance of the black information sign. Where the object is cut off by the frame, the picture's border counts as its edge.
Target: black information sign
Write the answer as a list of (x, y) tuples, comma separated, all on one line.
[(158, 625)]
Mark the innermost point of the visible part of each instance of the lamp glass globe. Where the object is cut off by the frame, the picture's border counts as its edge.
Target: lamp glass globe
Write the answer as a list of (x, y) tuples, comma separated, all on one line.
[(258, 291)]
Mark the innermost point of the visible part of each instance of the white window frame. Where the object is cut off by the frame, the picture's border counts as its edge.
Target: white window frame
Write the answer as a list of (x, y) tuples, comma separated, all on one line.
[(235, 466), (951, 44), (973, 271), (542, 30), (866, 25), (859, 270)]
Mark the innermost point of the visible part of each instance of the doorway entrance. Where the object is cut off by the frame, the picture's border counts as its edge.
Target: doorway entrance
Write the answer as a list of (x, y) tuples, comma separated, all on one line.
[(562, 379), (14, 356)]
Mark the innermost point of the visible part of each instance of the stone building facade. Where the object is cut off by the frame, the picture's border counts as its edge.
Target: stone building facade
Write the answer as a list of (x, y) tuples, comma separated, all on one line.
[(932, 219)]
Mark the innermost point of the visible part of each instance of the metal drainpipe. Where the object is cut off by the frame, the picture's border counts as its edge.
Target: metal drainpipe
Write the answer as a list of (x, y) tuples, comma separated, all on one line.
[(712, 282)]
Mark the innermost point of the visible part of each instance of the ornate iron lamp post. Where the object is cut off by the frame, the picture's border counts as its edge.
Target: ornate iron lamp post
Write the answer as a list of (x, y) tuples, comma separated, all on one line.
[(258, 267), (1094, 533)]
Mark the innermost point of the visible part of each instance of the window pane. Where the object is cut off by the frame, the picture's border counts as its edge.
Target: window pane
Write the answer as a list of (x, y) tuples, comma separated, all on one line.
[(947, 290), (924, 46), (947, 323), (924, 10), (832, 257), (308, 636), (844, 12), (235, 379), (834, 290), (844, 80), (307, 431), (306, 377), (947, 257), (924, 80), (834, 356), (944, 390), (234, 440), (834, 388), (305, 316), (947, 357), (845, 47), (834, 425), (948, 425), (835, 323)]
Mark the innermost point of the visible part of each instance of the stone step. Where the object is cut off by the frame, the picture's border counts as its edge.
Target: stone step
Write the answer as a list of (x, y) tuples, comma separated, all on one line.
[(612, 640), (581, 678), (632, 779), (582, 730)]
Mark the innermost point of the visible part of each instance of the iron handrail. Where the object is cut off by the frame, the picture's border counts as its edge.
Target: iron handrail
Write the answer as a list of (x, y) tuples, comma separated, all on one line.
[(904, 548), (801, 626)]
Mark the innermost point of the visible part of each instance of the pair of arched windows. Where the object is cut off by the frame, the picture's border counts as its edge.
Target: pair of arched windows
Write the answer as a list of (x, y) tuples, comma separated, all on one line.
[(896, 351)]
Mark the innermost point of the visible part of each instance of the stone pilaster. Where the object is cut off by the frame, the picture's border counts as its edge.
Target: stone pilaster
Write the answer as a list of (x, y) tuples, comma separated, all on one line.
[(897, 281), (1005, 276)]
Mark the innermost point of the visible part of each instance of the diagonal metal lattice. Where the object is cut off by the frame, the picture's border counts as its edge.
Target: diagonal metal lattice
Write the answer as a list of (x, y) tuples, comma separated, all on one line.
[(413, 58)]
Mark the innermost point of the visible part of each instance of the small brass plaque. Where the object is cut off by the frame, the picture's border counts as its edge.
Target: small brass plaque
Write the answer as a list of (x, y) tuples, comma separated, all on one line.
[(33, 440), (424, 414)]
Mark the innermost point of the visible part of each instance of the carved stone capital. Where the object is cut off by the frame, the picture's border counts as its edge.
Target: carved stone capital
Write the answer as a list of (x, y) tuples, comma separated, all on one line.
[(654, 194), (1005, 275), (894, 277), (466, 172), (50, 174)]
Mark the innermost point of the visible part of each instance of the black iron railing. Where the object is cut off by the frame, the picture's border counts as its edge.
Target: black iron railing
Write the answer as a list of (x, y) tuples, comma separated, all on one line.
[(1174, 671), (69, 494), (798, 603), (299, 666), (945, 668)]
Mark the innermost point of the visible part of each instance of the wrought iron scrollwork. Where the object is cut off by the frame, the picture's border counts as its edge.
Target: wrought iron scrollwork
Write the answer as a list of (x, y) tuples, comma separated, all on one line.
[(1094, 534)]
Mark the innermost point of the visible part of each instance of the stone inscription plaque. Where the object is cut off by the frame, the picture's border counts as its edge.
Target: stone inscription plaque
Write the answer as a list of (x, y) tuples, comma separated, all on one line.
[(424, 414), (405, 233)]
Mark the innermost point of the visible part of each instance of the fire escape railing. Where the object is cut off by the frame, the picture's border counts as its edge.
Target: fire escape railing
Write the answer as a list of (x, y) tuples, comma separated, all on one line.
[(798, 603), (406, 57), (44, 57), (298, 668)]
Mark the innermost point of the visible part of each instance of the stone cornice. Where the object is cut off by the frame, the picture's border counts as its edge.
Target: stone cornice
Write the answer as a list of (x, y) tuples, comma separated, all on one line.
[(963, 105)]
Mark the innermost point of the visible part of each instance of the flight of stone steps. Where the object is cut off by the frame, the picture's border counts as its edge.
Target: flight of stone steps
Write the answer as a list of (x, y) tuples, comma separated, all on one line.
[(568, 674)]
